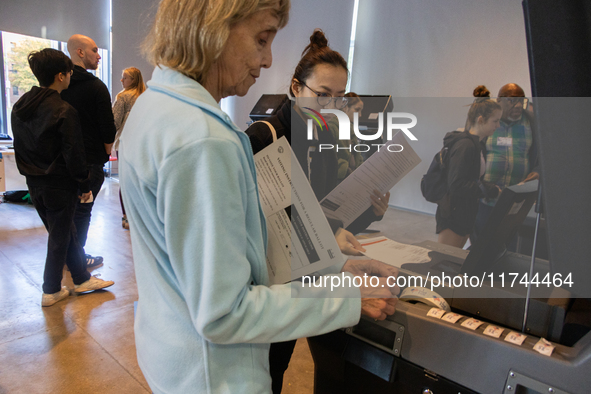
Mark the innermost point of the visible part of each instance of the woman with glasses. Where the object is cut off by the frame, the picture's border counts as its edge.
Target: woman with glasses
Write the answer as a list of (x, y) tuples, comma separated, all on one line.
[(319, 81)]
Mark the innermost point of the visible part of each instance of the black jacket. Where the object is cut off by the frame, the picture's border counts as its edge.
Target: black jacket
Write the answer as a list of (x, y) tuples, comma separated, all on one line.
[(463, 177), (47, 141), (463, 164), (91, 98), (323, 166)]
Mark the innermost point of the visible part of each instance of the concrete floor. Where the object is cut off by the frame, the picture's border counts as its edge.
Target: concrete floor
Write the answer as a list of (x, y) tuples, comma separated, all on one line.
[(85, 344)]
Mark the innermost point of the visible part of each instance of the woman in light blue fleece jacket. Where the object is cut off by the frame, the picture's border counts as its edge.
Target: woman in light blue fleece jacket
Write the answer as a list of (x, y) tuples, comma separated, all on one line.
[(206, 314)]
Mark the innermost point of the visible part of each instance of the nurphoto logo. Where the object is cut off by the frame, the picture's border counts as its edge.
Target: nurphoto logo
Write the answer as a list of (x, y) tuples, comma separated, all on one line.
[(345, 129)]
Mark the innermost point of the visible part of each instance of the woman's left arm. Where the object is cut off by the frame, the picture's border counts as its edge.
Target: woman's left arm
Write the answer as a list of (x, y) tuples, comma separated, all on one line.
[(211, 220)]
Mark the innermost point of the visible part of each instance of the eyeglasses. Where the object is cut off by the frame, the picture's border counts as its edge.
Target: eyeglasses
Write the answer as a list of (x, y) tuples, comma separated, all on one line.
[(324, 99), (514, 100), (71, 72)]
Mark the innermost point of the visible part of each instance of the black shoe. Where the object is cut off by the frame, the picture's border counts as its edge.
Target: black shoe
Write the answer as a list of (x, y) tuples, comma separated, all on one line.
[(93, 261)]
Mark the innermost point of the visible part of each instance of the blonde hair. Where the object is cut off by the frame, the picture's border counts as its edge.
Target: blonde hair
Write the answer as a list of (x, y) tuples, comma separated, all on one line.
[(137, 85), (189, 35)]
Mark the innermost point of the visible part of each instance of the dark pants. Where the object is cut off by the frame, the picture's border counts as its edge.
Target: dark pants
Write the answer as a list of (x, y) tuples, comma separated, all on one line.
[(279, 356), (484, 212), (56, 210), (82, 214), (121, 201)]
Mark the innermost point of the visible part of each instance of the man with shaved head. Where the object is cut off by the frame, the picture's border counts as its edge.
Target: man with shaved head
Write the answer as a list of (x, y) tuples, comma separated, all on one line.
[(511, 151), (91, 98)]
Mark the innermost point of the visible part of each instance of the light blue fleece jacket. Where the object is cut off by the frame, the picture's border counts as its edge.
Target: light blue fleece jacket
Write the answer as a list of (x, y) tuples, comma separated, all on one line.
[(206, 314)]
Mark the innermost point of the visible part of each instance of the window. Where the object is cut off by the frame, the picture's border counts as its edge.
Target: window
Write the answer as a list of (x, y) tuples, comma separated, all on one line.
[(16, 76)]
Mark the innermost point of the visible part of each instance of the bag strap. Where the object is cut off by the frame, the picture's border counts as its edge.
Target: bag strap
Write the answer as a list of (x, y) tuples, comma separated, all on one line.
[(443, 153), (273, 132)]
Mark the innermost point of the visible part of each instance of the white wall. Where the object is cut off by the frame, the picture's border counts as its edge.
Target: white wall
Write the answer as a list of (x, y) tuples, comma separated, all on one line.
[(443, 48), (131, 23), (305, 16), (62, 18)]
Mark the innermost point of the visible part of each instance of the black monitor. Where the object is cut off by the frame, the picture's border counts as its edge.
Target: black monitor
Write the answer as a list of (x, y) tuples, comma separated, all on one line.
[(511, 208), (559, 48), (372, 105), (268, 105)]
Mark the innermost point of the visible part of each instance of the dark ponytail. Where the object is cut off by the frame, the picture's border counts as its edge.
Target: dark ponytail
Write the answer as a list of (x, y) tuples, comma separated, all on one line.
[(483, 106), (481, 91), (317, 52)]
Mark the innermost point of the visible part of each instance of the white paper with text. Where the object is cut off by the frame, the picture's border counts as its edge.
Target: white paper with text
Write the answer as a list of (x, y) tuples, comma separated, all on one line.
[(300, 240), (381, 171), (394, 253)]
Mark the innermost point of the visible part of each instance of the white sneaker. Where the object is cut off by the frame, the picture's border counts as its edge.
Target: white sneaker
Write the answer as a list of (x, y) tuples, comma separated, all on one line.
[(92, 284), (50, 299)]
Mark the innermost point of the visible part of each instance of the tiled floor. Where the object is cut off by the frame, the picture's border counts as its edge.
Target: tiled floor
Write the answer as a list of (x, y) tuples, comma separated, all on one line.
[(85, 344)]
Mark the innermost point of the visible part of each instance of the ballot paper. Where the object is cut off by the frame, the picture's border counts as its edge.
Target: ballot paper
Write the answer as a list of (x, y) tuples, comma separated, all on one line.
[(300, 240), (380, 172), (394, 253)]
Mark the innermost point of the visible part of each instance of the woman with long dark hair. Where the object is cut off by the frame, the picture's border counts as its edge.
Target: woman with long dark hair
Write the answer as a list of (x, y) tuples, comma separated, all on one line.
[(319, 81)]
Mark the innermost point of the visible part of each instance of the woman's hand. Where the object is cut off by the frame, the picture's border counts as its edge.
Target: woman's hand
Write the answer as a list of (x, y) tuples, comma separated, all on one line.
[(378, 308), (378, 294), (377, 302), (372, 268), (348, 243), (379, 202)]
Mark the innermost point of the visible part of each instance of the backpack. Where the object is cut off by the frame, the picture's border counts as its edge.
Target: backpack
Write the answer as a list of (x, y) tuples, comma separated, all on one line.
[(434, 182)]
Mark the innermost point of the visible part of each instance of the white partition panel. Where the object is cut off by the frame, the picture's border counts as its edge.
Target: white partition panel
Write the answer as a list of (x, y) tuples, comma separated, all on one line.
[(131, 22), (443, 48)]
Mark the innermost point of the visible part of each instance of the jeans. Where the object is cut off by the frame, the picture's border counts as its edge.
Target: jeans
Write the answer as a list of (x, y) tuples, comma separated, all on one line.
[(56, 209), (82, 213)]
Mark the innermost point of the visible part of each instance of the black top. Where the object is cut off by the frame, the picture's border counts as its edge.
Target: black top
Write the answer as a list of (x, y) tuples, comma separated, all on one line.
[(48, 142), (323, 169), (91, 98), (459, 208), (463, 164)]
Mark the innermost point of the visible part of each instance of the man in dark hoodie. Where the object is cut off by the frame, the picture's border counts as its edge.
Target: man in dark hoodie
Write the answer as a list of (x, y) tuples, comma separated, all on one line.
[(91, 98), (50, 154)]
